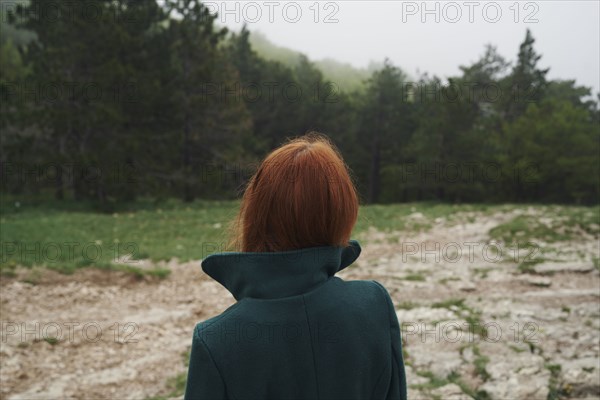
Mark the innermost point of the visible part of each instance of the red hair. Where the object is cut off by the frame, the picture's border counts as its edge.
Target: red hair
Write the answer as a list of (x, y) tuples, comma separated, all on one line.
[(300, 196)]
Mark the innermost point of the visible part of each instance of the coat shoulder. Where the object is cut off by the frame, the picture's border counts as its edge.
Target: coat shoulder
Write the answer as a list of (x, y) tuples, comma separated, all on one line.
[(370, 288), (204, 328)]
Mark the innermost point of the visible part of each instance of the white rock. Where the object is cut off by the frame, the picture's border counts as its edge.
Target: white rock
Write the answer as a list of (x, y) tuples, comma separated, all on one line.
[(450, 391), (541, 281), (549, 267), (467, 286)]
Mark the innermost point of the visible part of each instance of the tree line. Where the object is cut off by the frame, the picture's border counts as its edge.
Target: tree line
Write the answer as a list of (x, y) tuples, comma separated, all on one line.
[(111, 100)]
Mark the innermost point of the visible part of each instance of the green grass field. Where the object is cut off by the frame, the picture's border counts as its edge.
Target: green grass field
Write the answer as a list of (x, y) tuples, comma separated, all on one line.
[(67, 235)]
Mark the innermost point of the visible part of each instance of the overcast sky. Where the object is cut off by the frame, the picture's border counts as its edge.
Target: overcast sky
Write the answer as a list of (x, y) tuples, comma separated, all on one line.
[(567, 33)]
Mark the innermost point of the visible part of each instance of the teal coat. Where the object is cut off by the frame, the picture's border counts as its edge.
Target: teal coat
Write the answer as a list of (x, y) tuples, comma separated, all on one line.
[(297, 331)]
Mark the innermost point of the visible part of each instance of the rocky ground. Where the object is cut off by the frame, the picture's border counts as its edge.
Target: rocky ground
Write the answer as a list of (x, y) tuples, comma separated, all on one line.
[(476, 322)]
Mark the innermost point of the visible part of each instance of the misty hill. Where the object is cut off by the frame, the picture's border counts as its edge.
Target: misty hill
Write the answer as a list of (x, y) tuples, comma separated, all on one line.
[(347, 77)]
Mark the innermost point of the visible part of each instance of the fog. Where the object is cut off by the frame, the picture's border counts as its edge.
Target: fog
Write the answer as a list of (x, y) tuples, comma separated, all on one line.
[(433, 37)]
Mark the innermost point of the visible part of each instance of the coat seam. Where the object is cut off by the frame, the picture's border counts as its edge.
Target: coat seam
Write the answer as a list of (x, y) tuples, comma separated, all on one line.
[(311, 347), (212, 359), (387, 301), (378, 380)]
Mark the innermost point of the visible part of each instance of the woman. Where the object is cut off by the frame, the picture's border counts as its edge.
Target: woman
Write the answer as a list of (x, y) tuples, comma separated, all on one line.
[(297, 331)]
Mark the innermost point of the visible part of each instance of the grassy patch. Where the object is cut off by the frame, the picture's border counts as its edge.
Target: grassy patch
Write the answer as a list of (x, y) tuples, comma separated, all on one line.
[(528, 266), (533, 348), (516, 349), (480, 364), (459, 303), (175, 385), (482, 273), (474, 393), (437, 382), (414, 277), (33, 277), (434, 381), (66, 235), (406, 305), (51, 340), (397, 217), (444, 281), (523, 231), (66, 240), (554, 225), (470, 315), (139, 273), (405, 356), (8, 269), (555, 389)]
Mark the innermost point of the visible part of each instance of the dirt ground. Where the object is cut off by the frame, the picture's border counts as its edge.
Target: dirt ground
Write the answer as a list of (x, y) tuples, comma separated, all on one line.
[(120, 337)]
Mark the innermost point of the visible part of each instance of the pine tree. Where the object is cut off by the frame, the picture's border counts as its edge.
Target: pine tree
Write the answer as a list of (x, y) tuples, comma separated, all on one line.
[(526, 83), (209, 112), (385, 124)]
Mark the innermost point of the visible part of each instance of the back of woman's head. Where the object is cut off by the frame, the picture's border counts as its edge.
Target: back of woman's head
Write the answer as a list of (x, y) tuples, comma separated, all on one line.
[(300, 196)]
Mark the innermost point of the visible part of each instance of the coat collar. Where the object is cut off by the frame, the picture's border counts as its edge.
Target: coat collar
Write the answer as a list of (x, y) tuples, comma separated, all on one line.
[(271, 275)]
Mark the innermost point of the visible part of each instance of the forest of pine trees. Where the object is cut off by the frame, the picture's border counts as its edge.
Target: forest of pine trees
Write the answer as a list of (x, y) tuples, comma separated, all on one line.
[(149, 100)]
